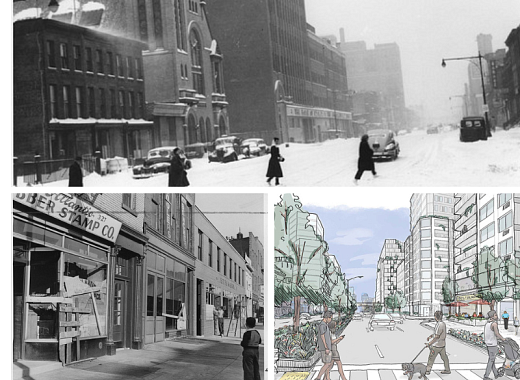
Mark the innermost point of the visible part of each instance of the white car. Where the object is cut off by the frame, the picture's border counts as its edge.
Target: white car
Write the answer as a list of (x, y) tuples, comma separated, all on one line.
[(357, 317), (381, 320), (306, 316), (397, 317)]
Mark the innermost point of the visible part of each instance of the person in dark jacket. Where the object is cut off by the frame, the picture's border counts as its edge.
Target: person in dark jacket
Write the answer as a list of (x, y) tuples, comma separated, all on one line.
[(274, 170), (251, 340), (177, 176), (365, 161), (76, 173)]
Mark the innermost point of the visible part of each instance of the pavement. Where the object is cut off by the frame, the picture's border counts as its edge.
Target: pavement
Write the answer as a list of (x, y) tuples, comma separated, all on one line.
[(183, 358)]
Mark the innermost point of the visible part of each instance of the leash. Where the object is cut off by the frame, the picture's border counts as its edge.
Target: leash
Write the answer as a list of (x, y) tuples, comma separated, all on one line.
[(418, 354)]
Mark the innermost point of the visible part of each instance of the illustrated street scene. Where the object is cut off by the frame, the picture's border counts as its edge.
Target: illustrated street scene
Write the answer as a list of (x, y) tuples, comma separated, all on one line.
[(138, 286), (409, 285), (177, 93)]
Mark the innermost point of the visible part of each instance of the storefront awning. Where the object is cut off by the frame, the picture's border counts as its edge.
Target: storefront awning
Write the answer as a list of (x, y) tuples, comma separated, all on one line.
[(130, 244)]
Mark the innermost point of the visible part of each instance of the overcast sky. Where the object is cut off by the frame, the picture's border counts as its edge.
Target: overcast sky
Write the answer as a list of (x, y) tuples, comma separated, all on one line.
[(230, 213), (426, 31)]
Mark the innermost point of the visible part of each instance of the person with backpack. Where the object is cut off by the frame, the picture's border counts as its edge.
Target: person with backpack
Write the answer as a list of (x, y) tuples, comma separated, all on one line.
[(251, 340)]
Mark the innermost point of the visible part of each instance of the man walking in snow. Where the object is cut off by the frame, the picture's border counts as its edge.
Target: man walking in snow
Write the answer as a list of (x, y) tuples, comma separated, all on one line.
[(365, 161)]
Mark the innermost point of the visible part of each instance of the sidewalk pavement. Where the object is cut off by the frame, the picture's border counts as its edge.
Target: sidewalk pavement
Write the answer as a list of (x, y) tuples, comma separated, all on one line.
[(187, 358)]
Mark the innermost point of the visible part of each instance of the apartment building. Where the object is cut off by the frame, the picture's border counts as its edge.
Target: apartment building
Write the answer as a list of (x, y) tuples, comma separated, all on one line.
[(390, 259)]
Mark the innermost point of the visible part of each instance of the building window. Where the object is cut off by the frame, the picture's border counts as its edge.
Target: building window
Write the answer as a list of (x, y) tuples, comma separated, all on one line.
[(186, 223), (235, 272), (88, 58), (230, 268), (129, 201), (425, 223), (426, 264), (426, 233), (52, 98), (210, 254), (138, 68), (91, 102), (505, 222), (218, 259), (155, 214), (102, 103), (217, 78), (200, 245), (110, 63), (180, 24), (51, 54), (129, 68), (196, 62), (426, 285), (487, 232), (113, 105), (99, 61), (64, 56), (119, 66), (157, 23), (225, 264), (143, 23), (66, 102), (486, 210), (503, 198), (131, 108), (506, 247), (76, 51), (122, 103), (140, 105)]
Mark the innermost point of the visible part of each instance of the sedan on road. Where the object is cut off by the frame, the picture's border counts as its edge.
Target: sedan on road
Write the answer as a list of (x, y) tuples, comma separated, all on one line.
[(157, 161), (381, 320), (227, 148), (254, 147), (306, 316), (357, 316), (397, 317), (383, 143)]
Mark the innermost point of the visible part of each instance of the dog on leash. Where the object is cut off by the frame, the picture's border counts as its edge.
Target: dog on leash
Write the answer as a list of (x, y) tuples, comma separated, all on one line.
[(411, 369)]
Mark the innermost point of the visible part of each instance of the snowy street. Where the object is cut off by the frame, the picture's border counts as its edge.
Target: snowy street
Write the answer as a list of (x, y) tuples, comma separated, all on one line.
[(425, 160)]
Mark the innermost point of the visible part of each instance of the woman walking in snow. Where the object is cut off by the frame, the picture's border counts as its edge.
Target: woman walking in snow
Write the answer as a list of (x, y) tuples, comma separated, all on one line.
[(365, 161), (274, 170)]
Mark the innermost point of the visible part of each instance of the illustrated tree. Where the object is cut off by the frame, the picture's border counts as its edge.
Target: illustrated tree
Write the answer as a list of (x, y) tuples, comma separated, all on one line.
[(490, 276), (449, 290), (399, 300), (378, 307)]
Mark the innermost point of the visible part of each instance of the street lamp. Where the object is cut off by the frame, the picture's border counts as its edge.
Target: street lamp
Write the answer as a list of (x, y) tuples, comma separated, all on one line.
[(348, 289), (479, 56)]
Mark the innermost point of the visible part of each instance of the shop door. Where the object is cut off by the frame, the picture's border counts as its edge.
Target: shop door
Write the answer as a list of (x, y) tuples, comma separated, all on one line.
[(119, 312), (18, 302), (199, 307), (154, 330)]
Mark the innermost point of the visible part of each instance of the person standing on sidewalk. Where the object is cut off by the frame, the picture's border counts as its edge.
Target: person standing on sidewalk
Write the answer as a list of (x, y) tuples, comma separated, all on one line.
[(220, 316), (76, 173), (251, 340), (491, 337), (438, 345), (505, 316), (325, 345)]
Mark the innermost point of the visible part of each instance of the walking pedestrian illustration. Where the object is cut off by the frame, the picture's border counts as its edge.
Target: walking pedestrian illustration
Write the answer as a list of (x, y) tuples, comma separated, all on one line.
[(491, 337), (335, 353), (220, 316), (365, 160), (274, 170), (251, 340), (437, 345), (505, 317), (76, 173), (177, 176), (325, 345)]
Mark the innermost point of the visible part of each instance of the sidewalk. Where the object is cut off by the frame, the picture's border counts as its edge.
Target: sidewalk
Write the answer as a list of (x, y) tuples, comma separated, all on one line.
[(186, 358)]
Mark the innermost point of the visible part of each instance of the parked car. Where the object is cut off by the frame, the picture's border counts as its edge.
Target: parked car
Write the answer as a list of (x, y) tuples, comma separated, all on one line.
[(432, 130), (305, 316), (157, 161), (357, 317), (196, 150), (397, 317), (383, 143), (227, 148), (381, 320), (254, 147), (473, 129)]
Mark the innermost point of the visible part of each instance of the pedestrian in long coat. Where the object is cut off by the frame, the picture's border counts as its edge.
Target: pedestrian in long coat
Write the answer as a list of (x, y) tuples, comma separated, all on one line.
[(274, 170), (177, 176), (365, 161), (76, 173)]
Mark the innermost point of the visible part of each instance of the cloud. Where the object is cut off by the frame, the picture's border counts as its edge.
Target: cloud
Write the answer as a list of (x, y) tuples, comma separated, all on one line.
[(355, 236), (368, 259), (369, 274), (368, 198)]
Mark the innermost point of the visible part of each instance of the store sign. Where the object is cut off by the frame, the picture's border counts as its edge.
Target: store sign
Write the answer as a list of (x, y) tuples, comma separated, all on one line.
[(467, 297), (73, 211), (318, 113)]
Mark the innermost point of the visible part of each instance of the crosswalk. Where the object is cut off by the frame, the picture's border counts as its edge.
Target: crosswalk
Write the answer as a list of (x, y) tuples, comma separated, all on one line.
[(470, 371)]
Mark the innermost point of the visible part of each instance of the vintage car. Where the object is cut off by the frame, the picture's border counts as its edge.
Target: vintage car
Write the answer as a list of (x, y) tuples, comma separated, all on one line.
[(157, 161), (383, 143), (196, 150), (227, 148), (473, 129), (432, 130), (381, 320), (254, 147)]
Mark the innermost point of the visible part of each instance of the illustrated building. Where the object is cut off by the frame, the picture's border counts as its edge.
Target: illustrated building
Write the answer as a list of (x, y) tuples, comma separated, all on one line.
[(281, 79), (390, 259), (511, 71)]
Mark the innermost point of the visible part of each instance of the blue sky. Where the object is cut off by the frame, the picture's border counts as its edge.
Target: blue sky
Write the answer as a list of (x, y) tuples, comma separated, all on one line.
[(356, 234)]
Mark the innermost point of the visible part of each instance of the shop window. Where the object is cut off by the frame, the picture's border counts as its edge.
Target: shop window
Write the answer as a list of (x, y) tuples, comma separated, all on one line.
[(150, 294), (170, 322), (44, 273), (159, 265), (159, 297), (76, 246), (179, 304), (41, 321), (169, 267), (121, 266)]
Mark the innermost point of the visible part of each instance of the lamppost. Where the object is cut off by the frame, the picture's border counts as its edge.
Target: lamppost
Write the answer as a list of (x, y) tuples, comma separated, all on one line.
[(485, 107), (348, 289)]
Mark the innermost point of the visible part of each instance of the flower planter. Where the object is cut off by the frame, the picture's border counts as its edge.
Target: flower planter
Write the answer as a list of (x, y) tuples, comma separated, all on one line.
[(294, 365)]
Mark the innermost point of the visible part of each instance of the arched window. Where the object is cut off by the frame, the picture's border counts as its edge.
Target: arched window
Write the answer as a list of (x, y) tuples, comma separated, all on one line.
[(196, 61), (202, 130)]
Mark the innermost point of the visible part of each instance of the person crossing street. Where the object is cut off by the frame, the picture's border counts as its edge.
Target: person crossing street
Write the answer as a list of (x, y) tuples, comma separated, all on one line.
[(437, 345)]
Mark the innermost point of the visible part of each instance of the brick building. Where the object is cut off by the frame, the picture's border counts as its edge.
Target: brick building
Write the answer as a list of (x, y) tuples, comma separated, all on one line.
[(77, 89)]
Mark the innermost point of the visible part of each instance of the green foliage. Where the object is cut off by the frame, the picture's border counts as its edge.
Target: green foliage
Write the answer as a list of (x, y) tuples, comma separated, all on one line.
[(378, 307)]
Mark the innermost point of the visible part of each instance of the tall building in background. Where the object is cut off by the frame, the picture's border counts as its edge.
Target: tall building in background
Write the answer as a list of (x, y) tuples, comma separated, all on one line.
[(390, 259), (281, 79)]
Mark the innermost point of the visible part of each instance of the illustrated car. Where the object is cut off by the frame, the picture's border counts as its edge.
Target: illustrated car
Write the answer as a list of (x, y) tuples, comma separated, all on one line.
[(227, 148), (196, 150), (397, 317), (432, 130), (383, 143), (157, 161), (254, 147), (381, 320), (357, 317), (473, 129), (305, 316)]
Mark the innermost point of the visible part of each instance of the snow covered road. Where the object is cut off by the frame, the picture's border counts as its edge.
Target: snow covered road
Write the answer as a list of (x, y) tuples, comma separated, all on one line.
[(425, 161)]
